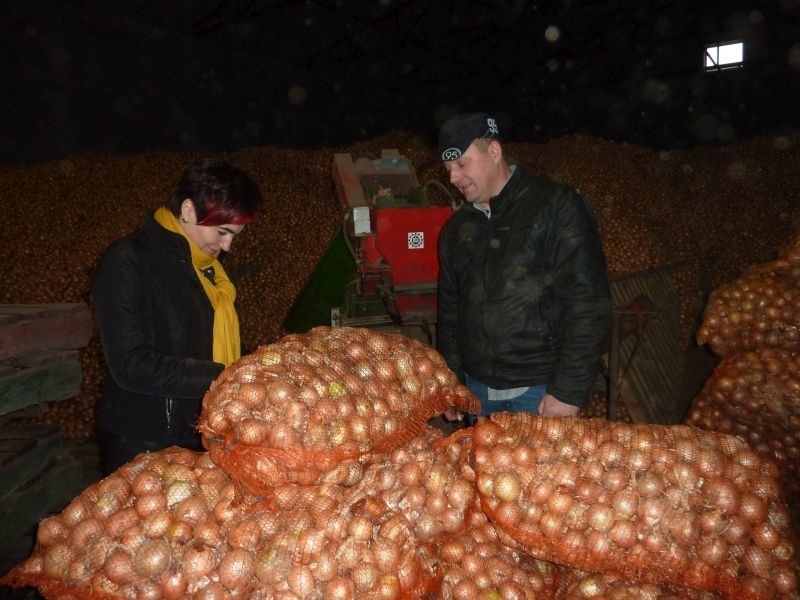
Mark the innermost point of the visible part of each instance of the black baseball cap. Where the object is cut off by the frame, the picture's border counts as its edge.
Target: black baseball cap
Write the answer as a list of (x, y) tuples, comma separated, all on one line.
[(457, 133)]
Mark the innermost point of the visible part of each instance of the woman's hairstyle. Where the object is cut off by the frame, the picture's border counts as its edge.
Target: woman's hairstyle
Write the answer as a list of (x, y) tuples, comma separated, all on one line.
[(221, 192)]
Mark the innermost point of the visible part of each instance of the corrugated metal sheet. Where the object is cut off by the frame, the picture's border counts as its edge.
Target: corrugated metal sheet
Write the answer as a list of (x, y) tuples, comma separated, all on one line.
[(651, 364)]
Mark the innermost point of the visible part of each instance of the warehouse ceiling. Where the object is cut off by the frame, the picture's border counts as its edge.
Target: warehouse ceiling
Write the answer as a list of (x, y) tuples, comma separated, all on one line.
[(126, 75)]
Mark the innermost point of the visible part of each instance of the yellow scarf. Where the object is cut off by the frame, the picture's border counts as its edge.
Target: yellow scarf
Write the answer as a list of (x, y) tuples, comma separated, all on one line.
[(226, 348)]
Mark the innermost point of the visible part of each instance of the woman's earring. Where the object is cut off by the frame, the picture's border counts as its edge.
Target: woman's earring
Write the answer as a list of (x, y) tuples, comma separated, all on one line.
[(184, 220)]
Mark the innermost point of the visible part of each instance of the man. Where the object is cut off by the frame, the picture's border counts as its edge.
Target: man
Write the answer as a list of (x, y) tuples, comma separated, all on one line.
[(524, 306)]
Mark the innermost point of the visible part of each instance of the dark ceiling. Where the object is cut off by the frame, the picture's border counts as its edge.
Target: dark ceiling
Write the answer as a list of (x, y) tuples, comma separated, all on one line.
[(124, 76)]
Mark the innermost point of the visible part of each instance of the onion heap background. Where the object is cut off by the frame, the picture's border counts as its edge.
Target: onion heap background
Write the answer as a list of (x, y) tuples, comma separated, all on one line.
[(716, 210)]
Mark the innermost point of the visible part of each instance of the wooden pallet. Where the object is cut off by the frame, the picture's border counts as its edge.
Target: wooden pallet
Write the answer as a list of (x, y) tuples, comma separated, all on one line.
[(39, 364), (27, 328)]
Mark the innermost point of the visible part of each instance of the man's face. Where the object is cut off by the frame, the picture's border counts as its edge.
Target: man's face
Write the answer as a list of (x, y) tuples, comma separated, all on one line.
[(476, 173)]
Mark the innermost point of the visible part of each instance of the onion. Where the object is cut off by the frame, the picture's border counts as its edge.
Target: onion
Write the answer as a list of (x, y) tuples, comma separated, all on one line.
[(251, 431), (721, 493), (649, 485), (51, 530), (712, 551), (559, 503), (758, 561), (765, 535), (436, 503), (600, 517), (145, 482), (150, 503), (56, 560), (156, 524), (625, 503), (623, 534), (75, 512), (360, 528), (339, 588), (198, 561), (684, 528), (752, 508), (117, 523), (460, 494), (364, 576), (615, 479), (192, 510), (551, 525), (152, 558), (236, 568), (173, 584), (119, 567), (245, 534), (84, 533)]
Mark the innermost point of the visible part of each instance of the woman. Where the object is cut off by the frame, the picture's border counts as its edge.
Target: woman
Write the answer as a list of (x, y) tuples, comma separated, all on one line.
[(165, 312)]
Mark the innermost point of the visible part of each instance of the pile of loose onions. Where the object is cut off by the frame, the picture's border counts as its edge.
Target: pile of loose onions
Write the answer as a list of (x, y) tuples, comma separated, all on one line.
[(756, 396), (759, 309), (648, 503), (313, 407)]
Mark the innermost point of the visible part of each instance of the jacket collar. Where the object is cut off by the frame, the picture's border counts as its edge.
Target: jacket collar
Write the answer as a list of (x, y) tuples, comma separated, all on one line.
[(506, 196), (170, 242)]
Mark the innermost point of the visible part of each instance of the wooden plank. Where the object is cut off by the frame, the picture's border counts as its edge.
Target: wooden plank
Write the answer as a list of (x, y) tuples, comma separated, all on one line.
[(24, 452), (49, 382), (26, 328), (48, 493)]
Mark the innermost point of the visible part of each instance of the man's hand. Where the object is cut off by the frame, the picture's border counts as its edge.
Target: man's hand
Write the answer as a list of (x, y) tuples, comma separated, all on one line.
[(453, 414), (550, 406)]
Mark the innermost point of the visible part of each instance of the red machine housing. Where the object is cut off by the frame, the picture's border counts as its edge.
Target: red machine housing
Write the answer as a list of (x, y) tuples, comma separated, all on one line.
[(393, 232)]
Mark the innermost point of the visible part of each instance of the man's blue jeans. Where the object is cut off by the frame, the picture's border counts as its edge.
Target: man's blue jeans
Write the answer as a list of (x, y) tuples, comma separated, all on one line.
[(527, 401)]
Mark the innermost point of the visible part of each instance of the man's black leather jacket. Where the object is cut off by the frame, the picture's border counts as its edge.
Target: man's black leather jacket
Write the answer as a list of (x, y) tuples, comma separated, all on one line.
[(524, 296)]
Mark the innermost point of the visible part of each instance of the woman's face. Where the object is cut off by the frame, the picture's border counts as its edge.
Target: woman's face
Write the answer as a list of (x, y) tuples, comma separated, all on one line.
[(209, 238)]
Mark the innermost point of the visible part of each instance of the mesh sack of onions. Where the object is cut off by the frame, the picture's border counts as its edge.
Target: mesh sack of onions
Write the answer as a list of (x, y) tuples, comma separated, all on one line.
[(156, 528), (759, 309), (358, 541), (477, 564), (649, 503), (573, 584), (314, 407), (756, 396)]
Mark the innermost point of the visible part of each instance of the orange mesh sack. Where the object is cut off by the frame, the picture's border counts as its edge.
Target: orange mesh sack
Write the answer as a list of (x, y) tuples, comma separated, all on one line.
[(155, 528), (759, 309), (756, 396), (656, 504), (359, 541), (315, 407)]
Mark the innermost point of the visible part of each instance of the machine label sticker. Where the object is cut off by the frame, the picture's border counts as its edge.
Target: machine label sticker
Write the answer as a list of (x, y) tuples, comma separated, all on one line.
[(416, 240)]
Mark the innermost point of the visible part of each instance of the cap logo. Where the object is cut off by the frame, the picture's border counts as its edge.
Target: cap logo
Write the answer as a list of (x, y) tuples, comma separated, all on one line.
[(451, 154), (492, 126)]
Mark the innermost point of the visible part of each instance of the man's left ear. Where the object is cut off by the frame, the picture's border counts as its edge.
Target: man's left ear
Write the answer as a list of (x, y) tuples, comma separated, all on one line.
[(495, 150)]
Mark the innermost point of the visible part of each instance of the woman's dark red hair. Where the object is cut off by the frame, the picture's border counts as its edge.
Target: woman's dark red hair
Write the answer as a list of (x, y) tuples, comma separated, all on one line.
[(222, 193)]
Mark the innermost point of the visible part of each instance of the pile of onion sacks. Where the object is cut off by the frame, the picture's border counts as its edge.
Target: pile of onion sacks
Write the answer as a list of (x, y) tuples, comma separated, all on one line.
[(323, 479)]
